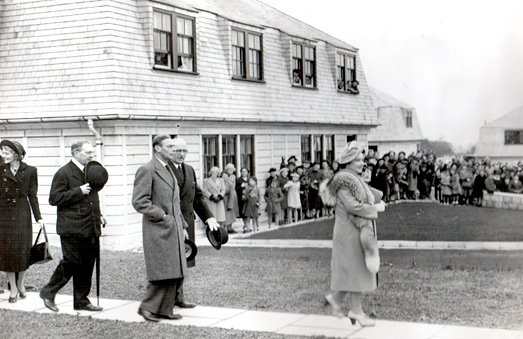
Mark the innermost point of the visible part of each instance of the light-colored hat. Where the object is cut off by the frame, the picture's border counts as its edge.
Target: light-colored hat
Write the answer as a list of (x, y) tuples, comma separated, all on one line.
[(294, 174), (349, 153)]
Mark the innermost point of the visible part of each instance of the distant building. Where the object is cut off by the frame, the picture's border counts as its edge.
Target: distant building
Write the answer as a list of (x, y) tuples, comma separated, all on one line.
[(398, 129), (240, 81), (502, 139)]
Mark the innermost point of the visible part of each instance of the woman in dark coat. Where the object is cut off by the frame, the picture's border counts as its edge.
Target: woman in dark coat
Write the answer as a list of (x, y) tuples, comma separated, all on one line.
[(18, 188)]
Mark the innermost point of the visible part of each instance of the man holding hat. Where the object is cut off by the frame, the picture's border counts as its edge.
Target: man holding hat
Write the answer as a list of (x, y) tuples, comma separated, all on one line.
[(79, 225), (191, 202), (156, 195)]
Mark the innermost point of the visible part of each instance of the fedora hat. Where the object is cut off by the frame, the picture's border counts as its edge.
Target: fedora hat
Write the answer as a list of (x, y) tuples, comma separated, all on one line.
[(96, 175), (217, 238), (190, 250)]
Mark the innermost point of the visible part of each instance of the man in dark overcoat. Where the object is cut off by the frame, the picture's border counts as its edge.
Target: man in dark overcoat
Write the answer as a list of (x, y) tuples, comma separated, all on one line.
[(191, 200), (79, 226), (156, 195)]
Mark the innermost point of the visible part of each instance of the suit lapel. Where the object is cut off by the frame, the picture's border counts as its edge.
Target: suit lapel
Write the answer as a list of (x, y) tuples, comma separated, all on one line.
[(76, 172), (164, 173)]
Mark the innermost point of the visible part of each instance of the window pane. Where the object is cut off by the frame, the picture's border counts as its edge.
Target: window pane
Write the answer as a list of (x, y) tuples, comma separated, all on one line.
[(257, 42), (305, 148), (166, 22), (157, 43), (157, 20), (188, 27), (164, 42), (180, 26), (246, 153), (210, 156), (241, 39), (162, 59), (234, 37)]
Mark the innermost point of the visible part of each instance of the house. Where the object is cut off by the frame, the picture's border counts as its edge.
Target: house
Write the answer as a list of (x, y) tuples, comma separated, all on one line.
[(239, 80), (502, 139), (398, 129)]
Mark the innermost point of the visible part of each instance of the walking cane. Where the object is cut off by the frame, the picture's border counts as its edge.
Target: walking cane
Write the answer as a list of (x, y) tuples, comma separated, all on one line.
[(98, 272)]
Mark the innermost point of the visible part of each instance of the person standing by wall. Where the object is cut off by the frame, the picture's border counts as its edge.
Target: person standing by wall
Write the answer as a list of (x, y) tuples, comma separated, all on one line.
[(191, 202), (18, 196), (156, 195), (79, 225)]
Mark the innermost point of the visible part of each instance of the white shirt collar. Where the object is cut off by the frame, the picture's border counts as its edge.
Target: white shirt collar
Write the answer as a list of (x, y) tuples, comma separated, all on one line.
[(161, 161), (79, 165)]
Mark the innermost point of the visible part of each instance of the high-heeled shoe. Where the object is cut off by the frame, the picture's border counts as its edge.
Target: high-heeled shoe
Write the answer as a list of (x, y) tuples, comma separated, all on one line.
[(361, 319), (14, 299), (335, 307)]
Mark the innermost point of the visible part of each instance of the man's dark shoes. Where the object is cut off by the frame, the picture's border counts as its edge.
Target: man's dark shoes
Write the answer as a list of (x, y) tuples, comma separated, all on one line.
[(148, 315), (89, 307), (50, 304), (182, 304), (171, 316)]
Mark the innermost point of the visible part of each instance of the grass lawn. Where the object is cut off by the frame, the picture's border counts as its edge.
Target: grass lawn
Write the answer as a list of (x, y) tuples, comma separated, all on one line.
[(468, 288), (423, 222)]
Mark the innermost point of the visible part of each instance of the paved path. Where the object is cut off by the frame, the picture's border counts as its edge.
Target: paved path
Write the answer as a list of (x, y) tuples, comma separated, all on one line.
[(283, 323)]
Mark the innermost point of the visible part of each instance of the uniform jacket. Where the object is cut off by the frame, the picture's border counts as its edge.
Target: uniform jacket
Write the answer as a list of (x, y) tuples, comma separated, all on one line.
[(155, 194), (77, 214)]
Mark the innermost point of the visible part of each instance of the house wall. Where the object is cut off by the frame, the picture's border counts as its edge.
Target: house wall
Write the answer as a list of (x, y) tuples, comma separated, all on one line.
[(127, 145), (491, 143)]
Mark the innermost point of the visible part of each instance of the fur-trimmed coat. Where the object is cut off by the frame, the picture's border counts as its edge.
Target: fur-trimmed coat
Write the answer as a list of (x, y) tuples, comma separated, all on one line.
[(355, 214)]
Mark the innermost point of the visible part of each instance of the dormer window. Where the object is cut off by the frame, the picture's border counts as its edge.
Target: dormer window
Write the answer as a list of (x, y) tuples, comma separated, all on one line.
[(408, 118), (346, 73), (303, 65), (178, 54), (246, 55)]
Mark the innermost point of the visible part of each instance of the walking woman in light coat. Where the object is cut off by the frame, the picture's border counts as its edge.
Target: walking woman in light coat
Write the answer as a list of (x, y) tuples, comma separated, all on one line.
[(355, 258)]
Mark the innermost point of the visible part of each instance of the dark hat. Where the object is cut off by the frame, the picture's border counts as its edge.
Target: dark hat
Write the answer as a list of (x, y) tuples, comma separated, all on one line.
[(291, 158), (272, 170), (96, 175), (217, 238), (190, 250), (15, 146)]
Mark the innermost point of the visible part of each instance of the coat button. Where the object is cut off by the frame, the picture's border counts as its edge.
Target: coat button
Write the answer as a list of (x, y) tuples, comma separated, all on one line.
[(14, 200)]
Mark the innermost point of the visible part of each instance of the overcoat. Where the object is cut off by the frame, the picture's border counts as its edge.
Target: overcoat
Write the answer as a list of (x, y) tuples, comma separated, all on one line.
[(230, 200), (215, 188), (17, 198), (155, 194), (349, 272), (191, 201)]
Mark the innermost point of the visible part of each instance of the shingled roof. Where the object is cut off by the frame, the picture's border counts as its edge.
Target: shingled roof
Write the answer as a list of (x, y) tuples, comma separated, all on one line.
[(257, 13)]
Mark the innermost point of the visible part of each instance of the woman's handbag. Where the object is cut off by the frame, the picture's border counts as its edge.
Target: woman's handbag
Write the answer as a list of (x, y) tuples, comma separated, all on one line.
[(40, 252)]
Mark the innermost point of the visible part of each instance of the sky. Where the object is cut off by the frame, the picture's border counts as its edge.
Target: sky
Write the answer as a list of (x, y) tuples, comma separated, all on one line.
[(459, 62)]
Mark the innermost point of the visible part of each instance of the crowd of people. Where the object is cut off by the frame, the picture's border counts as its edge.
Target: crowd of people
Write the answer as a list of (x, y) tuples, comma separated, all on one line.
[(292, 190), (458, 180)]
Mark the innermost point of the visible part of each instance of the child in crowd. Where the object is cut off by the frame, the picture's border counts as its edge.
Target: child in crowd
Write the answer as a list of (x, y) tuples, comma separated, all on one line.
[(456, 186), (273, 196), (283, 179), (252, 200), (446, 189), (293, 197)]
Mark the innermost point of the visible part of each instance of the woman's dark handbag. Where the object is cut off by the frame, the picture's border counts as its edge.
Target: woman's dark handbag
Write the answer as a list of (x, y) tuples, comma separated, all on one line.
[(40, 252)]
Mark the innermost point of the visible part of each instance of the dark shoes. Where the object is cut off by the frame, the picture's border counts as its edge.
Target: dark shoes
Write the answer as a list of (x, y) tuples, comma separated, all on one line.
[(89, 307), (148, 315), (50, 304), (14, 299), (169, 317), (23, 295), (182, 304)]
